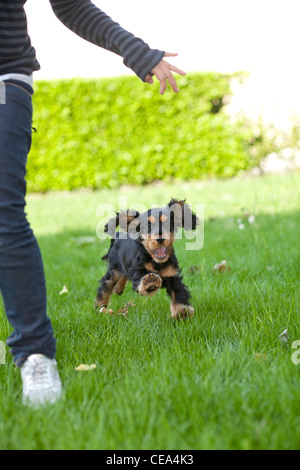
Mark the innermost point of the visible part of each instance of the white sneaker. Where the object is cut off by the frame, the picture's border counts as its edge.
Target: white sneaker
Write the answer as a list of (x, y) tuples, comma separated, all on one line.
[(41, 381)]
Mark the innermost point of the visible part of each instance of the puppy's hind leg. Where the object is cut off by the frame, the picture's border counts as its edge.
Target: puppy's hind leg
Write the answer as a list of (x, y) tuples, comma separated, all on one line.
[(180, 298), (105, 290)]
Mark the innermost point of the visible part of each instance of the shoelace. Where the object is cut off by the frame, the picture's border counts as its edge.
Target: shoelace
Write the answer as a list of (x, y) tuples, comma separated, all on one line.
[(39, 373)]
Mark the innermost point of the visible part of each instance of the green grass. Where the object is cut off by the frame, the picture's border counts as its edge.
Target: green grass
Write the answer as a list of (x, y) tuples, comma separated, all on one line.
[(221, 380)]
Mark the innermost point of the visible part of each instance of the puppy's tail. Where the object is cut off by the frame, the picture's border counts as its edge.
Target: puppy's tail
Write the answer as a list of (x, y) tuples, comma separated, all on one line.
[(112, 241), (110, 229)]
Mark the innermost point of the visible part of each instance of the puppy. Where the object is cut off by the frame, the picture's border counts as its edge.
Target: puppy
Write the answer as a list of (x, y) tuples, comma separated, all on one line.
[(142, 252)]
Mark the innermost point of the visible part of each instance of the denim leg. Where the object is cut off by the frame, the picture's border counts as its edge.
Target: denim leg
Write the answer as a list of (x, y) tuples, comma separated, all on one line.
[(22, 281)]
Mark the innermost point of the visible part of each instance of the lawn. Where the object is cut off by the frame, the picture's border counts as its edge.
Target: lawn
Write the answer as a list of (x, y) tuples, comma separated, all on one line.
[(220, 380)]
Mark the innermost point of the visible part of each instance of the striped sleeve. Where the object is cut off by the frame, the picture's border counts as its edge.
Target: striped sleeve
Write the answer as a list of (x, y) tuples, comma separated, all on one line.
[(16, 52), (89, 22)]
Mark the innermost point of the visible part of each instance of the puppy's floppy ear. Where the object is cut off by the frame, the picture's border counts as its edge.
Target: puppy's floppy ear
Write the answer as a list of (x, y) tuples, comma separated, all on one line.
[(127, 220), (183, 216), (112, 224)]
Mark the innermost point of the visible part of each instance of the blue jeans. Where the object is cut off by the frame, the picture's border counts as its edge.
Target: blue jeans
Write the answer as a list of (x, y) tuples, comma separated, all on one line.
[(22, 281)]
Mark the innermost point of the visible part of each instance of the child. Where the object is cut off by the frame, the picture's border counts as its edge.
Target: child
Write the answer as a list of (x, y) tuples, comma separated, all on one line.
[(22, 281)]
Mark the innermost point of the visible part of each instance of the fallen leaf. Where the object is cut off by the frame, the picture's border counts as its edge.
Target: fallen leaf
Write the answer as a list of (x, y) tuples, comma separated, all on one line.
[(260, 356), (221, 267), (283, 337), (193, 269), (86, 367), (64, 291), (130, 304), (122, 311)]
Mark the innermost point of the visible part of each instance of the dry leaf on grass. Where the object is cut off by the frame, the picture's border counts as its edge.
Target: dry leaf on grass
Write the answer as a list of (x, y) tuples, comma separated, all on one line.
[(86, 367), (130, 304), (121, 311), (193, 269), (283, 337), (261, 356), (124, 310), (221, 267), (64, 291)]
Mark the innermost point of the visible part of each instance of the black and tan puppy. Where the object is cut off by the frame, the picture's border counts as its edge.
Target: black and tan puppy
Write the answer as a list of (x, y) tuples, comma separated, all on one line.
[(142, 252)]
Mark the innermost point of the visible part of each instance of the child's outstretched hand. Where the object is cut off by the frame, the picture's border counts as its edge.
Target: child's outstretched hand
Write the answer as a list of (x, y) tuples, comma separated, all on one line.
[(163, 72)]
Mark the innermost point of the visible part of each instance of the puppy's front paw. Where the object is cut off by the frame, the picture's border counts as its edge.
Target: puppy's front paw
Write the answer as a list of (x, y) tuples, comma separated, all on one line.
[(149, 284), (181, 311)]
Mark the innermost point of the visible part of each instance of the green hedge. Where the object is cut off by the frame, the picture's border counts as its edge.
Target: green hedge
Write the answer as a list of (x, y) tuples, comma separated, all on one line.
[(97, 133)]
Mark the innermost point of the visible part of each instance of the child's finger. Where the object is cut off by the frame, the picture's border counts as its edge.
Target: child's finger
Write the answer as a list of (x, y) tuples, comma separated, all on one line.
[(175, 69), (163, 85), (149, 79), (171, 54)]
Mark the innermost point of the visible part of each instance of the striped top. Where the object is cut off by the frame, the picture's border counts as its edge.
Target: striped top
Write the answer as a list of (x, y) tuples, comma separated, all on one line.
[(17, 55)]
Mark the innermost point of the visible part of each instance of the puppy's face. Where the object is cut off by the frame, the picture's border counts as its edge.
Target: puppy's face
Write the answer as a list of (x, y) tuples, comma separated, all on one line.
[(156, 227), (157, 233)]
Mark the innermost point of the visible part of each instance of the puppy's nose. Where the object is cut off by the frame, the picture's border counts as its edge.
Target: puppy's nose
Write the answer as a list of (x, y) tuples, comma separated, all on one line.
[(160, 240)]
